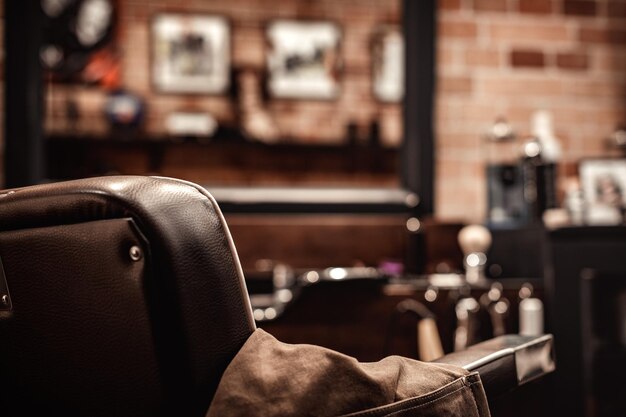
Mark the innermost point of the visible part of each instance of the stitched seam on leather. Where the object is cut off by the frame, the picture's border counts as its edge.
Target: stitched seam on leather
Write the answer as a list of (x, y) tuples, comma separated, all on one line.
[(403, 409), (421, 400), (472, 386), (426, 403), (474, 398)]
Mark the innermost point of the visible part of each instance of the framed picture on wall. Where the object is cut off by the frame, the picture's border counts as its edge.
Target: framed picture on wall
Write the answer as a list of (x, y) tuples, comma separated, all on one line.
[(304, 59), (388, 65), (191, 53)]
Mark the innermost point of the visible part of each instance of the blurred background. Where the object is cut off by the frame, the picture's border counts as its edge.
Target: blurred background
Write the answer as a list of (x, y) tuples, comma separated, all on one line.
[(495, 58), (350, 144)]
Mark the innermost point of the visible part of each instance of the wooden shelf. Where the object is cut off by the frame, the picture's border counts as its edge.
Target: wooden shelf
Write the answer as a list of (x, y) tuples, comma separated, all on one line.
[(228, 159)]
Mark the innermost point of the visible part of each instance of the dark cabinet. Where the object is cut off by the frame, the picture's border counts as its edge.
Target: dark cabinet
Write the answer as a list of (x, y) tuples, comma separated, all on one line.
[(585, 279)]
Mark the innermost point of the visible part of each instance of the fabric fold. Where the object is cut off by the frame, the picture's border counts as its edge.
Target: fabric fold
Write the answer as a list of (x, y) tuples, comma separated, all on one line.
[(271, 378)]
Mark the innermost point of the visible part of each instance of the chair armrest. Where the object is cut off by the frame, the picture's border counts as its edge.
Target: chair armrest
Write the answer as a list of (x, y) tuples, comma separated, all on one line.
[(506, 362)]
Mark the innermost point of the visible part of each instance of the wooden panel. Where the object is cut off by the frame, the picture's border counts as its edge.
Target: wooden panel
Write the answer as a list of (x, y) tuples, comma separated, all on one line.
[(318, 241)]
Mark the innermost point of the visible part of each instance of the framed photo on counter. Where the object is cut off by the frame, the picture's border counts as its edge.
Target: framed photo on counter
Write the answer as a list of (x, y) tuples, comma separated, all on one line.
[(603, 182)]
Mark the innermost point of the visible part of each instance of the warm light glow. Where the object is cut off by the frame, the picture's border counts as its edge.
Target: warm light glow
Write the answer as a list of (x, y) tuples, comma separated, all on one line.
[(501, 307), (472, 260), (312, 277), (284, 296), (270, 313), (338, 273), (258, 314), (413, 225), (430, 295)]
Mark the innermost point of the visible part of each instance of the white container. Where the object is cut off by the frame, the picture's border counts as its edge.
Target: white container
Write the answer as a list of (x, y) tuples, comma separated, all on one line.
[(531, 317)]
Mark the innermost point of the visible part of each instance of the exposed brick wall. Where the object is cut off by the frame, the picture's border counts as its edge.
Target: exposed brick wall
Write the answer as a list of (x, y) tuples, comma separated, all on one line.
[(495, 57), (301, 120), (510, 58)]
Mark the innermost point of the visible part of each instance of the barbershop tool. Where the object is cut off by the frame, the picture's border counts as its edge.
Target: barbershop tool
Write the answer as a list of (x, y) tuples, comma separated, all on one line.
[(497, 306), (467, 311), (429, 345), (270, 306), (428, 340), (475, 241)]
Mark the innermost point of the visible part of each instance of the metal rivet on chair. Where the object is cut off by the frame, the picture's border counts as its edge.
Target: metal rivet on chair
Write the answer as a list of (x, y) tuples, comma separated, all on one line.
[(135, 253)]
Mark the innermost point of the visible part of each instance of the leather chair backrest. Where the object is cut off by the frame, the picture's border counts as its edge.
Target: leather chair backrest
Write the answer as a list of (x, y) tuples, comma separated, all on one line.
[(125, 298)]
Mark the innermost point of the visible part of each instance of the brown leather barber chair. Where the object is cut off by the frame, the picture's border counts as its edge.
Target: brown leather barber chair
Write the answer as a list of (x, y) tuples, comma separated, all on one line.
[(123, 296)]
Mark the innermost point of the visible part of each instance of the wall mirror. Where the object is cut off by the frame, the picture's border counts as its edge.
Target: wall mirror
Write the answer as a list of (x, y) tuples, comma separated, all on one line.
[(295, 103)]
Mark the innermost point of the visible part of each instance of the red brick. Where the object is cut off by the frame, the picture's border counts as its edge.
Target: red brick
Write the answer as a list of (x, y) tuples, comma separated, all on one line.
[(527, 58), (450, 4), (616, 9), (580, 7), (452, 115), (572, 61), (482, 57), (593, 35), (608, 36), (490, 5), (446, 57), (459, 140), (593, 88), (457, 28), (460, 199), (535, 6), (454, 84), (450, 169), (529, 32), (612, 60), (525, 86)]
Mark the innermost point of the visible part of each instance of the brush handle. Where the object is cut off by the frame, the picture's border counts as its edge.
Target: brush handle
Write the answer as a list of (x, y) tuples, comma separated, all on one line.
[(428, 340)]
